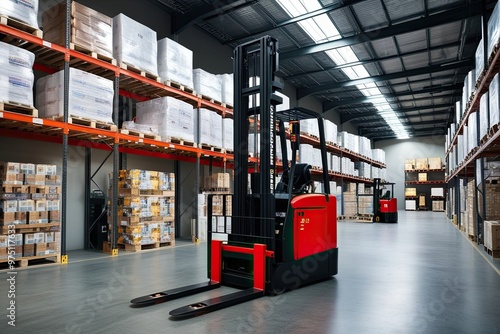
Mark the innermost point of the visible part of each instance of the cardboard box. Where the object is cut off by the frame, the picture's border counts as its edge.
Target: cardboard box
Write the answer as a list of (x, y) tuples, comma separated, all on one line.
[(51, 248), (3, 252), (26, 206), (19, 251), (4, 241), (28, 250), (39, 237), (8, 218), (10, 167), (49, 237), (421, 163), (492, 234), (421, 200), (435, 163), (409, 167), (54, 216), (38, 217), (22, 218), (29, 239), (10, 206), (27, 168), (40, 249), (19, 239), (410, 191), (13, 179), (422, 177), (437, 205)]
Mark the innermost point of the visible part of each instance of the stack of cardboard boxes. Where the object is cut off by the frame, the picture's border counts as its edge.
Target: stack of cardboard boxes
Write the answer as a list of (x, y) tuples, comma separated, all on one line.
[(29, 209)]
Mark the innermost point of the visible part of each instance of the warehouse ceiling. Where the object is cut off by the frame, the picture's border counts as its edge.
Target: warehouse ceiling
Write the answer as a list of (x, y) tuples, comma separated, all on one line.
[(392, 68)]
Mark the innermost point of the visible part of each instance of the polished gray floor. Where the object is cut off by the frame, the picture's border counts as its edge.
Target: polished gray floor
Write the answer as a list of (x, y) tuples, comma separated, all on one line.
[(418, 276)]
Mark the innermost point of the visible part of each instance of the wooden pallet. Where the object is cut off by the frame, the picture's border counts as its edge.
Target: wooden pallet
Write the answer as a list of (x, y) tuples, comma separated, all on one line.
[(24, 262), (179, 86), (140, 134), (211, 99), (179, 141), (14, 23), (492, 252), (211, 148), (18, 108), (93, 54), (32, 228), (88, 122), (142, 73), (137, 248)]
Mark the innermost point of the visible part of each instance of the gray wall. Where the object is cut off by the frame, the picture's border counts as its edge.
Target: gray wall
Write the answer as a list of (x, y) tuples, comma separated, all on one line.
[(397, 151)]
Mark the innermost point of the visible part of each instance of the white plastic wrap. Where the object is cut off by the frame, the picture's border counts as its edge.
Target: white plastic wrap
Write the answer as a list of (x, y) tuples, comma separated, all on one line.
[(216, 129), (227, 84), (135, 44), (479, 59), (175, 62), (494, 97), (228, 136), (378, 155), (207, 84), (493, 29), (483, 115), (25, 10), (89, 28), (90, 96), (330, 131), (365, 147), (174, 118), (16, 74), (472, 132)]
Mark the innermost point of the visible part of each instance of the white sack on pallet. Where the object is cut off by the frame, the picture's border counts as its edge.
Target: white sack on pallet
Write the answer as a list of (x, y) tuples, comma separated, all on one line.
[(210, 128), (16, 74), (175, 62), (90, 96), (174, 118), (227, 88), (135, 44), (494, 97), (228, 135), (207, 84), (25, 10)]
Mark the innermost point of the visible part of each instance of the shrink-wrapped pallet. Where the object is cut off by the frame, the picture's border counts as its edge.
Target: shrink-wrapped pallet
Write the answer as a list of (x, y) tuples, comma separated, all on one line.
[(90, 30), (135, 44), (25, 10), (175, 62), (493, 29), (484, 115), (210, 128), (494, 98), (227, 134), (16, 74), (174, 118), (227, 88), (479, 56), (330, 131), (207, 84), (90, 96)]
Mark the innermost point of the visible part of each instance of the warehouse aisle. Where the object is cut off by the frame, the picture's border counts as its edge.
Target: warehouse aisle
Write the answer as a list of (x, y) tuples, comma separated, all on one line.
[(418, 276)]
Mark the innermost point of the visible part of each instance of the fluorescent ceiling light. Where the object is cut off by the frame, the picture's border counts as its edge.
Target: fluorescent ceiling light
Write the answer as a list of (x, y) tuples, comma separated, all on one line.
[(321, 29)]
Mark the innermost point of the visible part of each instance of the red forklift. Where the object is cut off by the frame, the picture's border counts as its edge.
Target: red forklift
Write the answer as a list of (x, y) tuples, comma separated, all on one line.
[(282, 236), (385, 205)]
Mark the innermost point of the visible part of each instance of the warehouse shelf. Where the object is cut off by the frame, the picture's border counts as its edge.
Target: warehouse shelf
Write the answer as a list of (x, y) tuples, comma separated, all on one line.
[(482, 86)]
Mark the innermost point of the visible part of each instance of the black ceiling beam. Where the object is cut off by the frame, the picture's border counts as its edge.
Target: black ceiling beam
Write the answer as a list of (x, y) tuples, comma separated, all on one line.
[(457, 13), (375, 60), (369, 99), (324, 10), (466, 63), (219, 7)]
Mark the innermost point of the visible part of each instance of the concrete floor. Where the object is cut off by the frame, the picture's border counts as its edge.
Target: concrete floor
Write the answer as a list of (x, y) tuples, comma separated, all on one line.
[(418, 276)]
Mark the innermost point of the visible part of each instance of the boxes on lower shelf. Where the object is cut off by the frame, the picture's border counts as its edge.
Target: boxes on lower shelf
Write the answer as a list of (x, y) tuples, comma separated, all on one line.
[(410, 204), (492, 234), (437, 205), (422, 177)]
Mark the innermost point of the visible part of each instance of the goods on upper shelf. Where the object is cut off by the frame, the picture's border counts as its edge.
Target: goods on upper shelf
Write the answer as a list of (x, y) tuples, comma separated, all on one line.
[(210, 128), (227, 88), (25, 11), (227, 134), (89, 96), (493, 29), (174, 118), (175, 62), (135, 44), (16, 74), (207, 84), (90, 29)]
